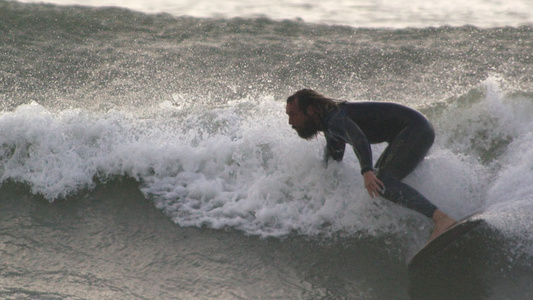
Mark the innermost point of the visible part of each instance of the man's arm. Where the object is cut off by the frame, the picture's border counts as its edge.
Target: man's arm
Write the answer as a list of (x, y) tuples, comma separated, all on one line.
[(348, 131), (334, 149), (360, 144), (362, 149)]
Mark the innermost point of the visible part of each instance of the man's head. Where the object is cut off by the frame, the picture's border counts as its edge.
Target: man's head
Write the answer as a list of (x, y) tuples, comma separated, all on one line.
[(306, 110), (302, 120)]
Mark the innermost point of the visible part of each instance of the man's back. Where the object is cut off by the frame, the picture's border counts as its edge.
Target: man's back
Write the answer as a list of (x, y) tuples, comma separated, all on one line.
[(380, 121)]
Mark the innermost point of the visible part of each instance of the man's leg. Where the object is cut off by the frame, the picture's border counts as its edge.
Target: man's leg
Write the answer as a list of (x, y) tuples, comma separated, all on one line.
[(404, 195), (407, 150), (399, 159)]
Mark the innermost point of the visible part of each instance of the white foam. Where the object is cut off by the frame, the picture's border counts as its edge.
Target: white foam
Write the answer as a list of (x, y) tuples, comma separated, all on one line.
[(240, 165)]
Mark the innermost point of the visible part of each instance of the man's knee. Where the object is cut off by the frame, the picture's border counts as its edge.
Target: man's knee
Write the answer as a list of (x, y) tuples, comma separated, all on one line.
[(388, 176)]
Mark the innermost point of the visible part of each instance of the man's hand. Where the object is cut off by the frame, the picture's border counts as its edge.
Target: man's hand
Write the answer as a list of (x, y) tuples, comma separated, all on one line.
[(372, 183)]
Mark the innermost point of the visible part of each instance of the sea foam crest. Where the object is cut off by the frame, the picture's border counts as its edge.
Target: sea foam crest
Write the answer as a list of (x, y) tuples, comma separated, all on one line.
[(240, 165)]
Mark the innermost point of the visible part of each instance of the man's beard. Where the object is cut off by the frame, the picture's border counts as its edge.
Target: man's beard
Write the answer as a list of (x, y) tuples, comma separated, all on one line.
[(309, 130)]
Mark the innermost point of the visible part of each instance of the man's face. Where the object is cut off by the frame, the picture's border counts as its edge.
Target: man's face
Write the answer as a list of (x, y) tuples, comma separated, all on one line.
[(302, 123)]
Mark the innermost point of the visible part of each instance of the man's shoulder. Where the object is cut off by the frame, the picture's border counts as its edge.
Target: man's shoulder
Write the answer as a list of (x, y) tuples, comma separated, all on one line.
[(335, 121), (336, 114)]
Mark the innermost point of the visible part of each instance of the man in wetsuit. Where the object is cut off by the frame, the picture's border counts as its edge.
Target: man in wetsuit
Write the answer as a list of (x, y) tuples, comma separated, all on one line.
[(408, 133)]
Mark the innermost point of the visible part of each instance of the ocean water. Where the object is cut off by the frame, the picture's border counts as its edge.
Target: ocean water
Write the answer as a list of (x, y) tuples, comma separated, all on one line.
[(145, 151), (355, 13)]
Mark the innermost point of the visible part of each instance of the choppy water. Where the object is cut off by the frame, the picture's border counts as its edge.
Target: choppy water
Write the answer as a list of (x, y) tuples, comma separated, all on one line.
[(149, 157)]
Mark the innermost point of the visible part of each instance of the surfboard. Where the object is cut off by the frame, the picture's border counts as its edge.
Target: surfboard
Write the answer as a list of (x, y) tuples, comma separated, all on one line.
[(443, 241)]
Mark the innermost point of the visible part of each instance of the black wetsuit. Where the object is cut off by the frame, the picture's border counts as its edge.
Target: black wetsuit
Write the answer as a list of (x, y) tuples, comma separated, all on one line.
[(409, 136)]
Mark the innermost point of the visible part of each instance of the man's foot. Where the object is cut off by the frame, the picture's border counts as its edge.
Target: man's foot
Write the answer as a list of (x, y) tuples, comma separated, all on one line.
[(442, 223)]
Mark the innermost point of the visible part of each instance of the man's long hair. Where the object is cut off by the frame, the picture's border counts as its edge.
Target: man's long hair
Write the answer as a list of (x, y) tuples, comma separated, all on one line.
[(321, 104)]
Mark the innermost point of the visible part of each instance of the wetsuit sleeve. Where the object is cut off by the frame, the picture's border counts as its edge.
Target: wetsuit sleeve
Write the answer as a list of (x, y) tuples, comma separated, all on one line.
[(360, 144), (334, 148)]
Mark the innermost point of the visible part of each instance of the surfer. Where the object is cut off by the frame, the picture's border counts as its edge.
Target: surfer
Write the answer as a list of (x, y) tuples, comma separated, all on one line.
[(408, 133)]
